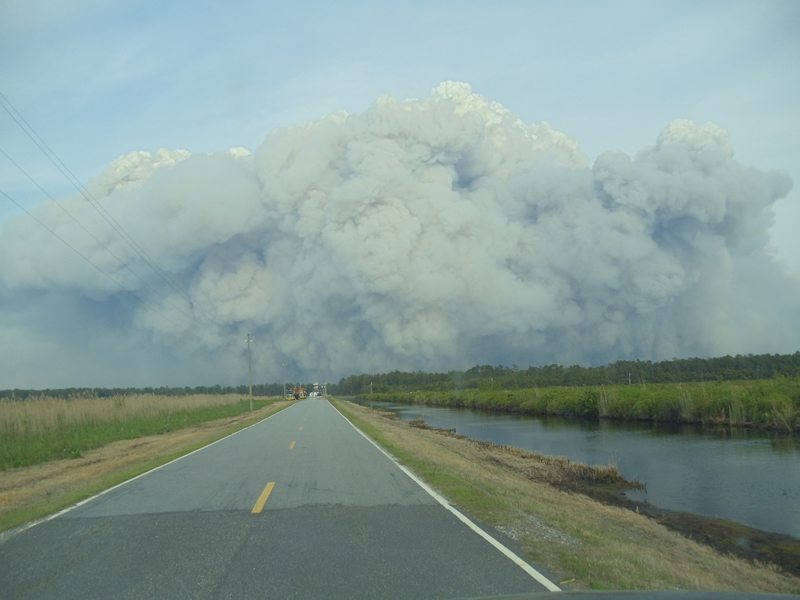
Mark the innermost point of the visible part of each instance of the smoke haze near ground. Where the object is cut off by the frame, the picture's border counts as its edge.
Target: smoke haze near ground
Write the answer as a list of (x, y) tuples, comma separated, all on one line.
[(429, 234)]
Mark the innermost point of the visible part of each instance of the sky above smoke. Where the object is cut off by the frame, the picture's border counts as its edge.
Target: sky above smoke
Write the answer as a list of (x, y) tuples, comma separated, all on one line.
[(578, 200), (425, 234)]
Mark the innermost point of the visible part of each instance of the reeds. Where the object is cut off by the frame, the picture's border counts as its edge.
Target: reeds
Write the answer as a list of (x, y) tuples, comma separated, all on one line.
[(772, 403), (686, 406), (566, 469), (47, 414), (33, 431)]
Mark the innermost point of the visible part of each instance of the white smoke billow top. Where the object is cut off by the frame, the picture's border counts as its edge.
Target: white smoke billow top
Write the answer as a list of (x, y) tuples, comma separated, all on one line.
[(433, 234)]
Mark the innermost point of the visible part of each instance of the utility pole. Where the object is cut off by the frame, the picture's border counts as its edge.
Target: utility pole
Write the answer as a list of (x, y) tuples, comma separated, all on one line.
[(284, 381), (249, 372)]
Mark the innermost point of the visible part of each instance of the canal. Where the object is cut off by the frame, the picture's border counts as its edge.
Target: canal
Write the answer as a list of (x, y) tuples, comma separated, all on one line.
[(748, 476)]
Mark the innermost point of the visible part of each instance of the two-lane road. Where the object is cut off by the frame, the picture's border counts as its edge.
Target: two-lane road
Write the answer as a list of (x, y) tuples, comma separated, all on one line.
[(300, 505)]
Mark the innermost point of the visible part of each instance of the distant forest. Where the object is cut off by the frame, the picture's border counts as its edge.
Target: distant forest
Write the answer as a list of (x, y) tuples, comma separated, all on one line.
[(261, 390), (762, 366)]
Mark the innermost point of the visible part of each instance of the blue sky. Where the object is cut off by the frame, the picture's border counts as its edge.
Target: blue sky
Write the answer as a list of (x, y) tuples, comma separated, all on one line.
[(100, 79)]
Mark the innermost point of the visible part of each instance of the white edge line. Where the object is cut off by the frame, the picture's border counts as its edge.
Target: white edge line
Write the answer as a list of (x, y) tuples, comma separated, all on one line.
[(441, 500), (5, 535)]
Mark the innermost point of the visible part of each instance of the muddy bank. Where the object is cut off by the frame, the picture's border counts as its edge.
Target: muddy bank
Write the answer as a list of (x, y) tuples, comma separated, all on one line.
[(728, 537), (608, 486)]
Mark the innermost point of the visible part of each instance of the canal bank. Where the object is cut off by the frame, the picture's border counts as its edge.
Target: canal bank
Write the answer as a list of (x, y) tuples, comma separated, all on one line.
[(587, 543), (745, 475)]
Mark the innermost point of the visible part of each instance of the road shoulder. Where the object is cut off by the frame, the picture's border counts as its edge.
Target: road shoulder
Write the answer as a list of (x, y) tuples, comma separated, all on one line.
[(34, 492), (588, 544)]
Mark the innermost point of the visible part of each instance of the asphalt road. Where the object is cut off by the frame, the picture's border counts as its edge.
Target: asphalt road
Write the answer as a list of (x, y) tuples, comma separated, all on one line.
[(300, 505)]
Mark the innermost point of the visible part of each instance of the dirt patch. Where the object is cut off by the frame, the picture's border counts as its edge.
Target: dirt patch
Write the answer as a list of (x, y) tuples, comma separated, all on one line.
[(28, 487), (734, 538)]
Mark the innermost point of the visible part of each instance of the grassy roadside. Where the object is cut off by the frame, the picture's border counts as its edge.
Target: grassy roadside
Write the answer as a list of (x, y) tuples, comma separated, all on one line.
[(33, 492), (766, 403), (44, 429), (587, 544)]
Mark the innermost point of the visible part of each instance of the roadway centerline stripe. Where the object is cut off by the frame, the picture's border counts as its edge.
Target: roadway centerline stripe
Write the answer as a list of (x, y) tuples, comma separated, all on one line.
[(12, 532), (291, 445), (301, 428), (262, 499)]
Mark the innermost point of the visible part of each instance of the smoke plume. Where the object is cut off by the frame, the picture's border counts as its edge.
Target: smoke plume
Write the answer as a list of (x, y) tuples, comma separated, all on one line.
[(430, 234)]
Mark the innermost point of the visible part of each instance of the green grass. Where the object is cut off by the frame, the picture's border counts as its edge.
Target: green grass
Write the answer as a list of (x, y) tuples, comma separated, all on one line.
[(19, 516), (765, 403), (25, 448), (484, 501)]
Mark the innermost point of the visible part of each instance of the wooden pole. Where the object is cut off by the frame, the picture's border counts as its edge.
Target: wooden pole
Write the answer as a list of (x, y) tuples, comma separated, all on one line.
[(249, 372)]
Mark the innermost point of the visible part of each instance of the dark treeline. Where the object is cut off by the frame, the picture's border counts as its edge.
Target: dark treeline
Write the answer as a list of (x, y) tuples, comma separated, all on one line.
[(725, 368), (263, 389)]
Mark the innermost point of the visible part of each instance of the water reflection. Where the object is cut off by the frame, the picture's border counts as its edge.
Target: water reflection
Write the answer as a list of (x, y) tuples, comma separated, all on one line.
[(749, 476)]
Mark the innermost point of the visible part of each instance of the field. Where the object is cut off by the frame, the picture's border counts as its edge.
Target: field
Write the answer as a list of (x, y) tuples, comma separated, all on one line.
[(764, 403), (35, 491), (44, 429)]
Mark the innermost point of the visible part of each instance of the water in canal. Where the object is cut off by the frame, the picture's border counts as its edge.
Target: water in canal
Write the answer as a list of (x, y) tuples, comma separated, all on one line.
[(748, 476)]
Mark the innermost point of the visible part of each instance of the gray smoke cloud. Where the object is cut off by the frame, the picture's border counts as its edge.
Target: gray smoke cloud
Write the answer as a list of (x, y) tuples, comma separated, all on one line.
[(429, 234)]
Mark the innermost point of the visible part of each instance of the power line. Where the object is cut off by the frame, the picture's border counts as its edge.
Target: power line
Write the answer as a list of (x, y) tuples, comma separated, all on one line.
[(107, 249), (76, 251), (75, 182)]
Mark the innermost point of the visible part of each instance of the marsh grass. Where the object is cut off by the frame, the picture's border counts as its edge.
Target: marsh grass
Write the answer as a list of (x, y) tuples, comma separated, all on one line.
[(36, 491), (35, 431), (765, 403)]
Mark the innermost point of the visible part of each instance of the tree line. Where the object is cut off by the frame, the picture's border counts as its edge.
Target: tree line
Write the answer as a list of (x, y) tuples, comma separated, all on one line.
[(484, 377), (261, 390)]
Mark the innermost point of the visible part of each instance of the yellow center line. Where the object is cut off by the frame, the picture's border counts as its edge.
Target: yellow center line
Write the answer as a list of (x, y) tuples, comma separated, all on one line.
[(301, 428), (262, 499), (291, 445)]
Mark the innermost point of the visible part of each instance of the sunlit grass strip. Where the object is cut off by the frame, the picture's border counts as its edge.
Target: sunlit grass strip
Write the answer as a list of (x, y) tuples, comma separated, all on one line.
[(771, 403), (45, 429), (481, 499), (19, 516), (45, 414)]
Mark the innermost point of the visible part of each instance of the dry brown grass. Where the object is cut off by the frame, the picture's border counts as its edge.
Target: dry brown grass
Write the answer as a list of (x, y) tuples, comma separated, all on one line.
[(585, 543), (45, 413)]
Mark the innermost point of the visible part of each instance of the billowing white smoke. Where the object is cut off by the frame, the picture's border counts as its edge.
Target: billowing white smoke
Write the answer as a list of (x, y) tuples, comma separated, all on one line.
[(431, 234)]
